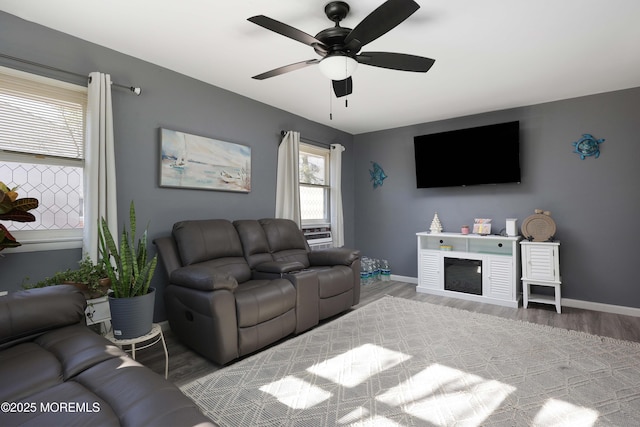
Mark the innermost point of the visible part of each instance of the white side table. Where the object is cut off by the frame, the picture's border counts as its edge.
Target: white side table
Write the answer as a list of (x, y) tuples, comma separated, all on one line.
[(97, 312), (541, 267), (155, 334)]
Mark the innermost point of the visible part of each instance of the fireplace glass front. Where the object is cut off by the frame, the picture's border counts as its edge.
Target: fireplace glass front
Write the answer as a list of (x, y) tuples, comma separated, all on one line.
[(463, 275)]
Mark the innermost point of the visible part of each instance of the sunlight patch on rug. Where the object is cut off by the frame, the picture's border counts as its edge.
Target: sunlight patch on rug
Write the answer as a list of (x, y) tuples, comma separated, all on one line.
[(296, 393), (355, 415), (556, 412), (467, 398), (357, 365)]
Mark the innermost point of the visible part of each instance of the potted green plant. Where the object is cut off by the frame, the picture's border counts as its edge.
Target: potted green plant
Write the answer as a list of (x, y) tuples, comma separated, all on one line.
[(91, 278), (127, 264)]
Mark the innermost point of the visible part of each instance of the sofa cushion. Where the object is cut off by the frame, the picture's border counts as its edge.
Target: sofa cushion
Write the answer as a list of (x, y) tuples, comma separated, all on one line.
[(293, 255), (26, 369), (260, 300), (77, 348), (286, 241), (152, 402), (254, 242), (52, 358), (202, 240)]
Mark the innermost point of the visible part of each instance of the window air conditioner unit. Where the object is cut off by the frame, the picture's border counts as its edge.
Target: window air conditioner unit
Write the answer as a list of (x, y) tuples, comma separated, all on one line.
[(318, 237)]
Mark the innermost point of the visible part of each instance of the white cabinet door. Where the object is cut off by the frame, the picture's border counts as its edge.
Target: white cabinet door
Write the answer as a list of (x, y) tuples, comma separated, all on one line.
[(430, 269), (499, 277), (539, 262)]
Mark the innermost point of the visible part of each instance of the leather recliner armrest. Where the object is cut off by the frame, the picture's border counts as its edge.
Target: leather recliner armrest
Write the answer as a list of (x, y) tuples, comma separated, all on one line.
[(307, 298), (333, 256), (202, 278), (34, 311), (279, 267), (168, 251)]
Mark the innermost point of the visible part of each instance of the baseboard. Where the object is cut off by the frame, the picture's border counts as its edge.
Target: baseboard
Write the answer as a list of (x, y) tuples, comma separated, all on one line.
[(407, 279), (565, 302), (597, 306)]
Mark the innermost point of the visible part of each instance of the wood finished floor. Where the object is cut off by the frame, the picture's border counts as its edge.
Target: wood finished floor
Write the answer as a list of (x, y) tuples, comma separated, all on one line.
[(185, 365)]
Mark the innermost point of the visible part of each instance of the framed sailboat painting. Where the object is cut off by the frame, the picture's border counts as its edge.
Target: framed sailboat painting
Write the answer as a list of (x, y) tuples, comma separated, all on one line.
[(191, 161)]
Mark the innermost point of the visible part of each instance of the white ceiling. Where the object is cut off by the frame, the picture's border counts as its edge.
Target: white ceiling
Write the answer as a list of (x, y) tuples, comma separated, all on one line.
[(490, 54)]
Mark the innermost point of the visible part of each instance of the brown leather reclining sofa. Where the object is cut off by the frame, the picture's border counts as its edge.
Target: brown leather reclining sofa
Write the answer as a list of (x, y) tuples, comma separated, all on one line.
[(55, 371), (235, 288)]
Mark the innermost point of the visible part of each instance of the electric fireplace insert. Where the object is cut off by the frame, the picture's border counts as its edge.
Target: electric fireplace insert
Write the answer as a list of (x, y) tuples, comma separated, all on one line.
[(463, 275)]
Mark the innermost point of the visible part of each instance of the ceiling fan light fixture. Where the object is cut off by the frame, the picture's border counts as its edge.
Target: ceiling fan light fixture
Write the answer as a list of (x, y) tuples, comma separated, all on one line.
[(338, 67)]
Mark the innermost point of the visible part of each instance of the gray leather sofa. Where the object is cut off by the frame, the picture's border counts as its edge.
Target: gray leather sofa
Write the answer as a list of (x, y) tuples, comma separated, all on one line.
[(235, 288), (55, 371)]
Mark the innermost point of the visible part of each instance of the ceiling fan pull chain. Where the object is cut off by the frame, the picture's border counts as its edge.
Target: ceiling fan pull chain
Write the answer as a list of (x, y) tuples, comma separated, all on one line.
[(330, 102), (346, 73)]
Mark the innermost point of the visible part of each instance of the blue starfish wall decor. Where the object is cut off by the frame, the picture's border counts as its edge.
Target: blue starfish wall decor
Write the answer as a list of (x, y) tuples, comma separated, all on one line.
[(587, 146), (377, 175)]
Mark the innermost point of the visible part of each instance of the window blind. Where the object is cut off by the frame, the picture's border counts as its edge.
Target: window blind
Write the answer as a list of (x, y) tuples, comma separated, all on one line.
[(41, 116)]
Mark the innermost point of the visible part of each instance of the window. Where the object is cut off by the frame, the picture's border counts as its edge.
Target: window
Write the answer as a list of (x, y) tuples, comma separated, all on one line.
[(42, 124), (314, 184)]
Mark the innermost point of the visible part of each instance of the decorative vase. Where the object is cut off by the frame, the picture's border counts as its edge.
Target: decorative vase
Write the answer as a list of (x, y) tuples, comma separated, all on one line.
[(132, 317)]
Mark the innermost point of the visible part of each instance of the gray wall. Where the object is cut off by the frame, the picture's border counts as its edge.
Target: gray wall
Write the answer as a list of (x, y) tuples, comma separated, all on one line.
[(594, 202), (172, 101)]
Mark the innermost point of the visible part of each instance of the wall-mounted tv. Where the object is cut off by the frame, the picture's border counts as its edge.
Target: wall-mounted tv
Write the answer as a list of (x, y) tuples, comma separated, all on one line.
[(480, 155)]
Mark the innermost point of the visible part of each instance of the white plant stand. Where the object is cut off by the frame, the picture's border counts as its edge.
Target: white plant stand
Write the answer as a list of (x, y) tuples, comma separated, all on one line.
[(155, 334), (541, 267)]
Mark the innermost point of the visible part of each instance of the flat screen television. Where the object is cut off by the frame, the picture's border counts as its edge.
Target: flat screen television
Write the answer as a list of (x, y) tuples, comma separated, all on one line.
[(480, 155)]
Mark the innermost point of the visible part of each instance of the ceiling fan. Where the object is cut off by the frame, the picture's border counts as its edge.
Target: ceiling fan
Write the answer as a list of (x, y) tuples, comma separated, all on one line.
[(339, 47)]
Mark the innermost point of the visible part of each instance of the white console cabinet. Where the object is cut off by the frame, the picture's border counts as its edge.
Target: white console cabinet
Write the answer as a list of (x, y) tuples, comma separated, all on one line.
[(493, 259)]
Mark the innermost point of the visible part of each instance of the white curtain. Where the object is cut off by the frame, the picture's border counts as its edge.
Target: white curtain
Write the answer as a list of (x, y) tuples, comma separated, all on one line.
[(287, 183), (100, 168), (337, 220)]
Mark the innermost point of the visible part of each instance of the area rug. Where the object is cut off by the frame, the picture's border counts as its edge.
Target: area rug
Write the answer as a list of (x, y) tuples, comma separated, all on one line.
[(397, 362)]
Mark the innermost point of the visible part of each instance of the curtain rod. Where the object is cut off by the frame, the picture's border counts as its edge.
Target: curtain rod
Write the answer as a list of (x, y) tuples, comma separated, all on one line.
[(136, 90), (311, 141)]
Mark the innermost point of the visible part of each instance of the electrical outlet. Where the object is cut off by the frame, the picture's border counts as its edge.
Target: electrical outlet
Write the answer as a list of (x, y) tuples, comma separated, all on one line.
[(3, 293)]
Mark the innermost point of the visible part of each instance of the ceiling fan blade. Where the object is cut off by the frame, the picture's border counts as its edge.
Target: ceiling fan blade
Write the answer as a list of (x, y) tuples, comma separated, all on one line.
[(342, 87), (286, 69), (386, 17), (288, 31), (396, 61)]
